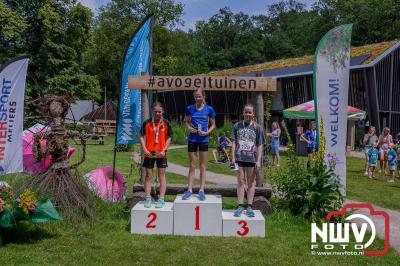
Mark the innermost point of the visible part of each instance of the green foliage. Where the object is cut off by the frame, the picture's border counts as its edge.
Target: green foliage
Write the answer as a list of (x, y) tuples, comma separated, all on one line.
[(122, 147), (373, 20), (267, 107), (11, 28), (226, 128), (113, 29), (78, 127), (180, 133), (228, 40), (55, 35), (311, 194)]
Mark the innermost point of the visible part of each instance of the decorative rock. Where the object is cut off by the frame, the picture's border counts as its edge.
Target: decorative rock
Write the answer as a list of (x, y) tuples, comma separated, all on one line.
[(262, 204), (137, 197)]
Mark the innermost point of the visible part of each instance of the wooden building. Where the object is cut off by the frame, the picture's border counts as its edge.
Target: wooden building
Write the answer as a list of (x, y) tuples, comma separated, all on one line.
[(374, 88)]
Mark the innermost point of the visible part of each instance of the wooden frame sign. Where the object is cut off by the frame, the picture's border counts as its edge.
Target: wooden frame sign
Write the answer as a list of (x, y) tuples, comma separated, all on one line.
[(210, 83)]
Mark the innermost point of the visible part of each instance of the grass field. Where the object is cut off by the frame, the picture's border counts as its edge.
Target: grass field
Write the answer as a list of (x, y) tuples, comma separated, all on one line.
[(107, 241), (359, 187)]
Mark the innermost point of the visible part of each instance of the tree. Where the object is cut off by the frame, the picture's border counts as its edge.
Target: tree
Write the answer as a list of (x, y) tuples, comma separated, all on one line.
[(11, 28), (287, 30), (373, 20), (175, 53), (113, 28), (229, 40), (55, 36)]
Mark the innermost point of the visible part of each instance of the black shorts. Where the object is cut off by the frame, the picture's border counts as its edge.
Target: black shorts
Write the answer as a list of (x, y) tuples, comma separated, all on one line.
[(246, 164), (194, 146), (311, 150), (149, 163)]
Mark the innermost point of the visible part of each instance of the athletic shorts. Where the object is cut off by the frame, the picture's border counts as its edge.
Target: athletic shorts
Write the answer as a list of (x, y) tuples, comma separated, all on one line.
[(275, 150), (194, 146), (310, 150), (246, 164), (392, 167), (149, 163)]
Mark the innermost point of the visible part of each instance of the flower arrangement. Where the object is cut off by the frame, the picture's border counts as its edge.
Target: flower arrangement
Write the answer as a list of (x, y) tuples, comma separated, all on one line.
[(6, 196), (27, 201), (26, 207)]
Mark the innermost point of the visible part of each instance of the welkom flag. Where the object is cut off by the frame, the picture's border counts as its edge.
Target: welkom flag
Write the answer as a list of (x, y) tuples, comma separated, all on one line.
[(331, 86), (12, 78), (136, 60)]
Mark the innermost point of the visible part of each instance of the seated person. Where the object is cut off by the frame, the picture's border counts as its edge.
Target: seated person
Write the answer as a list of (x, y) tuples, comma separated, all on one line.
[(222, 144)]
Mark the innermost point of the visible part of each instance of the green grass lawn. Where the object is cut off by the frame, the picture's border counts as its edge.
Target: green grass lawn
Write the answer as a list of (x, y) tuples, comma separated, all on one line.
[(108, 241), (359, 187), (180, 156)]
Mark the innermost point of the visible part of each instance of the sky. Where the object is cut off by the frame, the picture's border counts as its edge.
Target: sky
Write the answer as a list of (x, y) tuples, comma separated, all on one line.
[(195, 10)]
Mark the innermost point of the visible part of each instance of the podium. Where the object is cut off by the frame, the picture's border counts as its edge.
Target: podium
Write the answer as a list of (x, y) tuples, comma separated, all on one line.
[(243, 226), (193, 217), (152, 221), (198, 218)]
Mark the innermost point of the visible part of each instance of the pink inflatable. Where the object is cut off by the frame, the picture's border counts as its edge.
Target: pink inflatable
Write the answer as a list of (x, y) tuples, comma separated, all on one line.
[(100, 181)]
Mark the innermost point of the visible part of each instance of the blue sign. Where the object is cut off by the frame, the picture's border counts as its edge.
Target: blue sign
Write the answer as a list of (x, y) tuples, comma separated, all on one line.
[(136, 61)]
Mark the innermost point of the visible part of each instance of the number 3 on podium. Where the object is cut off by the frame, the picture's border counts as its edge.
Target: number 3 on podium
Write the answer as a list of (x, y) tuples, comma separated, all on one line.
[(245, 229)]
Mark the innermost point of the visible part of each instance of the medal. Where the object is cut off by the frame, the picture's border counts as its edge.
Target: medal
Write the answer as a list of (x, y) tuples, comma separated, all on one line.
[(156, 130)]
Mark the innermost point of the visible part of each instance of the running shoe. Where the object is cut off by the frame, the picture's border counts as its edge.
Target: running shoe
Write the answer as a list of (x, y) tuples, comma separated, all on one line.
[(202, 196), (250, 212), (160, 203), (186, 195), (238, 211), (147, 202)]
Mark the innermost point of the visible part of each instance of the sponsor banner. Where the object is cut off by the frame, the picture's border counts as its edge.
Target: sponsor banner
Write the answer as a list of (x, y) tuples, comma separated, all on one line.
[(136, 61), (12, 78), (331, 86)]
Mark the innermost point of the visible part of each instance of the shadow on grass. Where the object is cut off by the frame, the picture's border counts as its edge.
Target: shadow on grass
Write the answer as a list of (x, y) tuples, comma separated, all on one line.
[(25, 233)]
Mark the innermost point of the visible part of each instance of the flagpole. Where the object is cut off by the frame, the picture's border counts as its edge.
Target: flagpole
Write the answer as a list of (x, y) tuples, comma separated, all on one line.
[(145, 100), (105, 102)]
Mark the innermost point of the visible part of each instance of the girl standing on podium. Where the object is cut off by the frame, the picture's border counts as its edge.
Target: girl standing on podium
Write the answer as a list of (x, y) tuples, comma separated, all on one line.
[(155, 138), (198, 117), (247, 148)]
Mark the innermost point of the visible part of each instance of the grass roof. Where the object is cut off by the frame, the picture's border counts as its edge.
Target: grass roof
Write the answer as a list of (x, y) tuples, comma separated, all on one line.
[(373, 50)]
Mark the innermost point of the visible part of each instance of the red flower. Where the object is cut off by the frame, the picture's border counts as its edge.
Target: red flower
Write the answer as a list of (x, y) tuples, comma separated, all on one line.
[(32, 207)]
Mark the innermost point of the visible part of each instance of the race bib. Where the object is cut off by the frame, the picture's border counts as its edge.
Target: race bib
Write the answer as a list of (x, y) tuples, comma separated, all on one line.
[(246, 145)]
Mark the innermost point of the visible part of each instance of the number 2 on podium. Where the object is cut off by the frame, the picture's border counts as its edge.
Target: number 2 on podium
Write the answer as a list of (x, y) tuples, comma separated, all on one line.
[(197, 214), (153, 217)]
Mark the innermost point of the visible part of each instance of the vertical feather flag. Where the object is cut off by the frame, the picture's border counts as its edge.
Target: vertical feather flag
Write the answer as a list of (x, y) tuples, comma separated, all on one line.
[(137, 59), (12, 78), (331, 89)]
